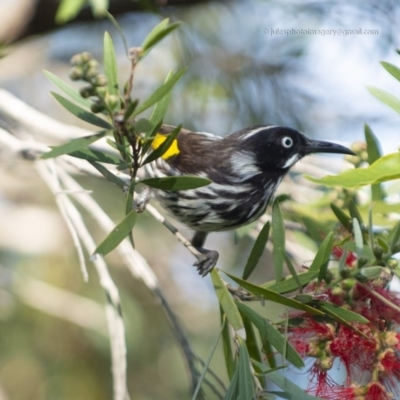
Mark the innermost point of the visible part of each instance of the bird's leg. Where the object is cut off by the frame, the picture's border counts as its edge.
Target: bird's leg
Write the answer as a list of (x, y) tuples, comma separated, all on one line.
[(142, 199), (208, 259)]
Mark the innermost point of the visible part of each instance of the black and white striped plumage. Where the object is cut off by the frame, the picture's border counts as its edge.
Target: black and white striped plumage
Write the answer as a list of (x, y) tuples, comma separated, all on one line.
[(245, 168)]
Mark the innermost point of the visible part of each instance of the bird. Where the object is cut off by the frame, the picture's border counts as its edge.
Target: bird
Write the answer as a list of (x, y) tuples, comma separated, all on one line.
[(245, 168)]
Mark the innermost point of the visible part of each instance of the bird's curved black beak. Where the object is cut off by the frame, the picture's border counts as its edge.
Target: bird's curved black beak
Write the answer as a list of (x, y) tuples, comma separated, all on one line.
[(319, 146)]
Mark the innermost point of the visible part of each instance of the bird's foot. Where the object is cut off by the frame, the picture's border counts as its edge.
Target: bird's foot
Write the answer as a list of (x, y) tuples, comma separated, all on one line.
[(141, 200), (206, 262)]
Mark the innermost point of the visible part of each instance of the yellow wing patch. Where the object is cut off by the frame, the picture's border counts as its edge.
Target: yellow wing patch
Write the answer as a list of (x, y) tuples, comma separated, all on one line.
[(173, 149)]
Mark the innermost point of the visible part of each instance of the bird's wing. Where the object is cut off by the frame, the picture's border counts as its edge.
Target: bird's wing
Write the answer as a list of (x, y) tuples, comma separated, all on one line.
[(191, 152)]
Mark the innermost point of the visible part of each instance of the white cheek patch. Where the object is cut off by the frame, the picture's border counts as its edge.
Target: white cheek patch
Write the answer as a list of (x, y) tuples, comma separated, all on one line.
[(244, 165), (292, 160)]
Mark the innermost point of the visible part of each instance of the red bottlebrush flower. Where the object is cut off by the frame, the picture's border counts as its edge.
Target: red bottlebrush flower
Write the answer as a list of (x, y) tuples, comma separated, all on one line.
[(351, 257), (376, 391)]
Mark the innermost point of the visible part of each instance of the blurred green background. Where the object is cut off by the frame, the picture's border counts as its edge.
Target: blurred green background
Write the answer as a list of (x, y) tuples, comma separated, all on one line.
[(53, 335)]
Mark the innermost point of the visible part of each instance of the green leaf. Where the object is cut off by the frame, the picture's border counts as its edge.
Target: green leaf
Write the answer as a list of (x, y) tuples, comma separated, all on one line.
[(251, 338), (175, 183), (159, 93), (227, 303), (246, 387), (160, 151), (159, 111), (385, 97), (372, 272), (110, 65), (295, 392), (143, 125), (323, 254), (97, 156), (67, 10), (257, 251), (385, 169), (157, 34), (99, 7), (354, 213), (227, 345), (232, 392), (268, 294), (269, 333), (206, 366), (81, 113), (342, 313), (109, 175), (117, 235), (278, 240), (392, 69), (358, 237), (374, 153), (290, 284), (293, 271), (73, 145), (67, 89), (395, 237), (342, 217)]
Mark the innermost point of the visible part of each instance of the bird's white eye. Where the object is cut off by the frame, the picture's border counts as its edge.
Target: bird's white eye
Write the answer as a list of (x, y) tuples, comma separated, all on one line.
[(287, 142)]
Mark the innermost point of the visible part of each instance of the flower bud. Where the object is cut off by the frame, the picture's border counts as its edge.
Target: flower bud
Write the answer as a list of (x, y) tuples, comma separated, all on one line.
[(76, 60), (76, 73), (100, 80), (86, 92), (378, 252), (91, 74), (86, 57), (97, 107), (113, 101)]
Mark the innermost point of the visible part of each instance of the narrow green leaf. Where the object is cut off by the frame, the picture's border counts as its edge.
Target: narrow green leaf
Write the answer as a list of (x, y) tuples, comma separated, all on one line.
[(295, 392), (293, 271), (383, 243), (392, 69), (251, 340), (110, 65), (257, 251), (290, 284), (206, 366), (227, 345), (143, 125), (371, 228), (157, 34), (268, 294), (385, 97), (342, 217), (358, 237), (278, 240), (96, 155), (117, 235), (354, 213), (372, 272), (73, 145), (175, 183), (160, 109), (373, 147), (395, 237), (245, 382), (109, 175), (81, 113), (159, 93), (227, 303), (232, 392), (67, 89), (129, 204), (343, 313), (130, 108), (323, 254), (161, 150), (68, 10), (270, 334), (384, 169), (99, 7)]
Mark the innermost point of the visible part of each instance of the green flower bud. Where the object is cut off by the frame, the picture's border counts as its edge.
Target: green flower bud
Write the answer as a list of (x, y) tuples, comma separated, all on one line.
[(392, 263), (91, 74), (97, 107), (101, 91), (86, 57), (76, 73), (112, 101), (362, 261), (100, 80), (378, 252), (86, 92), (93, 63), (396, 248), (76, 59)]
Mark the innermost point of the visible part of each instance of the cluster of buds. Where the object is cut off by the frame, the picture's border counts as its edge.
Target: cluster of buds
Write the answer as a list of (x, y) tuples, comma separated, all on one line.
[(370, 352), (86, 68), (361, 157)]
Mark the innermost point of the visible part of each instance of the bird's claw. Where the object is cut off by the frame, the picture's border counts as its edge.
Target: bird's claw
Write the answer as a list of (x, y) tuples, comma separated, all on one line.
[(206, 262)]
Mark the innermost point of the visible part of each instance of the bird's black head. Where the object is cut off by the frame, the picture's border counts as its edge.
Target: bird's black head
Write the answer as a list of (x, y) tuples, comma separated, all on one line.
[(279, 148)]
